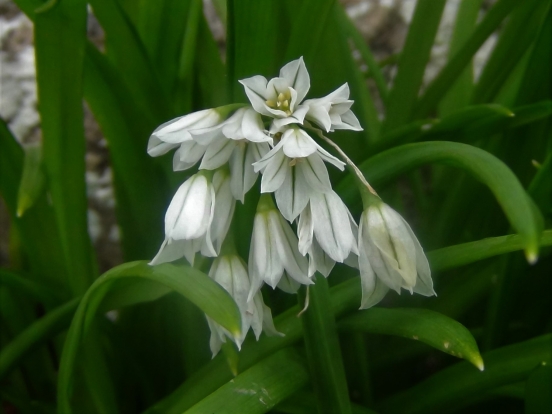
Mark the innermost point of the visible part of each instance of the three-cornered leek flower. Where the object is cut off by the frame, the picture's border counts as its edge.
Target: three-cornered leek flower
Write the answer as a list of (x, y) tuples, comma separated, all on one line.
[(281, 97), (390, 256), (274, 250), (230, 272), (333, 111), (188, 221), (176, 131), (326, 232), (293, 169)]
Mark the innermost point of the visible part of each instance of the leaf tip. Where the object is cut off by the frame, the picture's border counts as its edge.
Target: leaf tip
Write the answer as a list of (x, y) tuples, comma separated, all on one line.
[(531, 256)]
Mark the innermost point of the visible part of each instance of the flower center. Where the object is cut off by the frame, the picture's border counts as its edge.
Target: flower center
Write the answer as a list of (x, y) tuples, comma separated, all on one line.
[(281, 103)]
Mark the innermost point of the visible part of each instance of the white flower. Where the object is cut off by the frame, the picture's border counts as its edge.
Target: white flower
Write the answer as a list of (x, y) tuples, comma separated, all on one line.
[(293, 169), (188, 221), (333, 111), (176, 131), (326, 228), (230, 272), (274, 249), (280, 97), (390, 256)]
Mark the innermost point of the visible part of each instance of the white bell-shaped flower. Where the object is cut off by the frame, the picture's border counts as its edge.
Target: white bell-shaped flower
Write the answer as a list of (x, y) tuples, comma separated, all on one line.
[(390, 256), (294, 169), (188, 220), (326, 228), (230, 272), (333, 111), (274, 249)]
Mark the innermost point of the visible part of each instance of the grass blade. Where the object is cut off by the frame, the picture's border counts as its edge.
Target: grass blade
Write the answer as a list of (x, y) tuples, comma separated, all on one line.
[(259, 388), (60, 43), (457, 385), (32, 180), (323, 351), (412, 63), (432, 328), (454, 68)]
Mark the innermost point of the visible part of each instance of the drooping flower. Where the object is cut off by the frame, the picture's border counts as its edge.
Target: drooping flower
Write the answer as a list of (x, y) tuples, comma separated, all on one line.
[(239, 141), (188, 221), (326, 231), (274, 249), (230, 272), (293, 169), (390, 256), (333, 111), (280, 98), (176, 131)]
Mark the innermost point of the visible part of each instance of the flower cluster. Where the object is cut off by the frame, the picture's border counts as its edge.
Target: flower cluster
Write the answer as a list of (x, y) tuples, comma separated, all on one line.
[(233, 144)]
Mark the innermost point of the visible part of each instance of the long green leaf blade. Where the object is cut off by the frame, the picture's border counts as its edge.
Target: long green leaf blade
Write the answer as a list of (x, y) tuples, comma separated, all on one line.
[(60, 42), (259, 388), (459, 384), (432, 328)]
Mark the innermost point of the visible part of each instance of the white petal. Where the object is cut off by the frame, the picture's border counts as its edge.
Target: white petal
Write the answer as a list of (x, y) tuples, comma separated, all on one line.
[(348, 121), (296, 74), (293, 194), (268, 323), (267, 158), (224, 208), (256, 90), (298, 144), (232, 127), (424, 283), (403, 246), (378, 249), (373, 289), (191, 152), (253, 128), (288, 285), (315, 173), (319, 260), (169, 251), (285, 242), (189, 214), (156, 147), (319, 114), (217, 154), (326, 156), (305, 231), (178, 164), (275, 173), (237, 168), (331, 225), (264, 263)]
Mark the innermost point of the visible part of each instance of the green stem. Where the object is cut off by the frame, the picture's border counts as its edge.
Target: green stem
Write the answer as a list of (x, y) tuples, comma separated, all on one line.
[(323, 353)]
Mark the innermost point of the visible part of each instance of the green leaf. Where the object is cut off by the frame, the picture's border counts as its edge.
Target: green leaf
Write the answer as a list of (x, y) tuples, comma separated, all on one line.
[(432, 328), (458, 385), (259, 388), (248, 55), (36, 335), (454, 68), (125, 49), (305, 403), (323, 352), (189, 282), (21, 283), (412, 62), (460, 93), (60, 44), (462, 254), (538, 398), (32, 180), (515, 39), (37, 230), (140, 189), (492, 172)]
